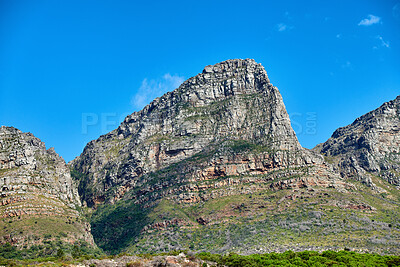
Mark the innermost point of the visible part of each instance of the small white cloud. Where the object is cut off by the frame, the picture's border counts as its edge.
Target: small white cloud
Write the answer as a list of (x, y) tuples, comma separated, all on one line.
[(369, 21), (339, 36), (383, 42), (281, 27), (174, 80), (151, 89)]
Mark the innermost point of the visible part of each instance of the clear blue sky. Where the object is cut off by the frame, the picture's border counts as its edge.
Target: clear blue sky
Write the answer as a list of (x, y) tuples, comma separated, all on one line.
[(62, 62)]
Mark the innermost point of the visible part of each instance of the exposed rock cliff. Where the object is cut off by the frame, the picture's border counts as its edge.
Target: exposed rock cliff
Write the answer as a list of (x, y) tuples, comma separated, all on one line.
[(228, 107), (369, 147), (211, 166), (216, 157), (38, 196)]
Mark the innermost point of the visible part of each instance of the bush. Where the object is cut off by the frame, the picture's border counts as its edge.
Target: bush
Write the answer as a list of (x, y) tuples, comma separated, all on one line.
[(60, 253), (304, 258), (76, 252)]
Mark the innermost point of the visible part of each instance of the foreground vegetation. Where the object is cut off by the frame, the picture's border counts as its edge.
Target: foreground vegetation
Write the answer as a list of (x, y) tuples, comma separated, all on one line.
[(304, 258), (11, 256), (52, 251)]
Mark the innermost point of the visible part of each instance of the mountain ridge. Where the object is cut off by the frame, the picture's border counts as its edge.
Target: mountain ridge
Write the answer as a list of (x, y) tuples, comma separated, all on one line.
[(215, 166), (226, 82), (368, 146), (223, 136)]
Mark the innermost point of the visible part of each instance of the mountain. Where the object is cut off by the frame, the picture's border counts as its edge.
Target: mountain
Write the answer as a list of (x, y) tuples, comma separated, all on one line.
[(39, 202), (229, 107), (369, 147), (216, 166)]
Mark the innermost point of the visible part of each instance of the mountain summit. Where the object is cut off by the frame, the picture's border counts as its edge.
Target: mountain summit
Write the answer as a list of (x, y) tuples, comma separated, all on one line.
[(222, 136), (229, 106)]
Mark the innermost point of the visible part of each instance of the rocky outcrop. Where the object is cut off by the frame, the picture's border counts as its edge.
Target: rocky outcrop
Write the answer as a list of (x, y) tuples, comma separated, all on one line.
[(222, 135), (150, 261), (25, 164), (369, 147), (231, 107), (36, 183)]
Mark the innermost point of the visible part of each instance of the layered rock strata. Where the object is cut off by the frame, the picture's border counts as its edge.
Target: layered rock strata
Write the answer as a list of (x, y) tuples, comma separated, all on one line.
[(368, 147), (36, 188), (230, 114)]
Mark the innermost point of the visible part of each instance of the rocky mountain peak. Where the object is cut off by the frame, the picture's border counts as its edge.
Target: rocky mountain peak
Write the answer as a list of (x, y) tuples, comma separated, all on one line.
[(231, 64), (223, 133), (37, 191), (23, 153), (231, 77), (246, 77), (226, 87), (369, 146), (231, 104)]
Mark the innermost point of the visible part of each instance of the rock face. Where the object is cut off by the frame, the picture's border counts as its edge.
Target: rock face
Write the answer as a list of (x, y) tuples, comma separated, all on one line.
[(211, 166), (36, 191), (369, 147), (229, 106), (216, 154)]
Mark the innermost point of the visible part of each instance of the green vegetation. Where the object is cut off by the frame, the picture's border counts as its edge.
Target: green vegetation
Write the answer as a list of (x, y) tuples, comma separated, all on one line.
[(76, 175), (48, 251), (115, 227), (10, 256), (297, 219), (243, 213), (304, 258), (85, 188), (238, 146), (41, 226)]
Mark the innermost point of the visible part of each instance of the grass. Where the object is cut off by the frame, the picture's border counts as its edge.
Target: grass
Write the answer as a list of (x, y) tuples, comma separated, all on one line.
[(48, 220), (40, 230), (168, 210)]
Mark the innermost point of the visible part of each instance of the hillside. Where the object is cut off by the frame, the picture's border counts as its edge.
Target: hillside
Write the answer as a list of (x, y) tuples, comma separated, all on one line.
[(39, 202)]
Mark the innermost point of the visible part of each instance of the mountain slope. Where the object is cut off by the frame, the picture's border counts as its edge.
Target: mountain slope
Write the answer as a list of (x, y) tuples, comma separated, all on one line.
[(39, 202), (369, 147), (216, 166)]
